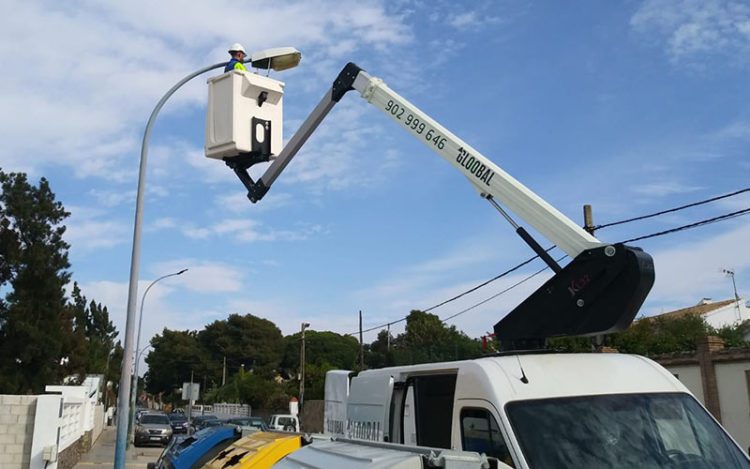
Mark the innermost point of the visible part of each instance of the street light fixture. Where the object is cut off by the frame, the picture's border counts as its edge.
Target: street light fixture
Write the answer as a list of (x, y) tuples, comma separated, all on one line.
[(134, 387), (304, 326)]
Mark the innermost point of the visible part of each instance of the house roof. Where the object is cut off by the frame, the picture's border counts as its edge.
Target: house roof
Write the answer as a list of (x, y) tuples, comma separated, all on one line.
[(700, 308)]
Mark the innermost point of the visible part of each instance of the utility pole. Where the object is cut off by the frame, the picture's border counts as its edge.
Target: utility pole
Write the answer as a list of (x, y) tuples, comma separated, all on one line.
[(361, 344), (388, 338), (588, 225), (224, 372), (304, 326), (190, 401), (588, 219)]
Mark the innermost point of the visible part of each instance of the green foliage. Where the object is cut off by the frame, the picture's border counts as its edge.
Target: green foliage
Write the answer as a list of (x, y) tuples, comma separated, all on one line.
[(735, 336), (378, 354), (315, 377), (570, 344), (659, 335), (426, 340), (92, 323), (43, 336), (325, 347), (33, 269), (248, 388), (174, 355), (245, 340)]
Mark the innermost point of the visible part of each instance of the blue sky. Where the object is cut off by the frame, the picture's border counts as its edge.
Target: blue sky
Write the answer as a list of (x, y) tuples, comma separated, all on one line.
[(633, 107)]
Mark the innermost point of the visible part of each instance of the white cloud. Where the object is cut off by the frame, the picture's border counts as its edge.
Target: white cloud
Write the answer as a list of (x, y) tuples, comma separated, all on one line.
[(110, 198), (90, 228), (737, 130), (690, 271), (249, 231), (664, 188), (202, 276), (106, 65), (163, 223), (237, 201), (158, 311), (690, 30)]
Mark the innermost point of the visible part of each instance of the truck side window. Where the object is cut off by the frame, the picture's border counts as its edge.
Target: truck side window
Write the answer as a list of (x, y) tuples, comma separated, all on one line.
[(481, 433)]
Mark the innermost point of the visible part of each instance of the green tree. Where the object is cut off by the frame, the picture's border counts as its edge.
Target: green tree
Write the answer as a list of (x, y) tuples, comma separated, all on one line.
[(245, 340), (35, 328), (93, 326), (427, 339), (659, 335), (735, 335), (338, 351), (378, 354), (174, 355)]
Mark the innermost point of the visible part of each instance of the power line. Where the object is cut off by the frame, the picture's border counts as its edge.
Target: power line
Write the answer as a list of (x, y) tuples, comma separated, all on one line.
[(675, 209), (652, 235), (496, 277), (709, 221), (472, 289), (500, 293)]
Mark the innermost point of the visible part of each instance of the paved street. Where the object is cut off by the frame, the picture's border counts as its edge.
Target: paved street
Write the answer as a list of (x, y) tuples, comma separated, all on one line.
[(102, 455)]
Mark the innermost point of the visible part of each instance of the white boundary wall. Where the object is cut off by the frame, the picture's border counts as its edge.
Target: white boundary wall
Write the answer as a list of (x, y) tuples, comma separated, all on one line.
[(31, 424), (16, 430)]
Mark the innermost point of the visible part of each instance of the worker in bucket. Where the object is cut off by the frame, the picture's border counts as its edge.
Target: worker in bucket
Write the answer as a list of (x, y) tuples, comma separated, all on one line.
[(238, 55)]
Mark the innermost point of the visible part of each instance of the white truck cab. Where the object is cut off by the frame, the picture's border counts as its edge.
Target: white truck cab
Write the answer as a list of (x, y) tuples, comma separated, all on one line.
[(284, 422), (539, 410)]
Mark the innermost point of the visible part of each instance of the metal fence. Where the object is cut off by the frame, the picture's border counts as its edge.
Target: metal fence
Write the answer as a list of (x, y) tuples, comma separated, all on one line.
[(230, 410)]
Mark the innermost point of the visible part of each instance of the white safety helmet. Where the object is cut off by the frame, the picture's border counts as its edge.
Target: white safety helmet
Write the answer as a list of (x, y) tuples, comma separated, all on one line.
[(237, 47)]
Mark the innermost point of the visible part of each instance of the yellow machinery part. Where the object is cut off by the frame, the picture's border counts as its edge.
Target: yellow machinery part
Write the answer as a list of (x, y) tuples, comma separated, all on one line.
[(260, 450)]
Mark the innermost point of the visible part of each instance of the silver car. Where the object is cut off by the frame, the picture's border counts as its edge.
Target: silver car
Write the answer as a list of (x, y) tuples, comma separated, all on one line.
[(153, 428)]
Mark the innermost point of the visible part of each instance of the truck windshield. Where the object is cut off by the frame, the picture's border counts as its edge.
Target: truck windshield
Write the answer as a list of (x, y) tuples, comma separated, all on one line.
[(622, 431)]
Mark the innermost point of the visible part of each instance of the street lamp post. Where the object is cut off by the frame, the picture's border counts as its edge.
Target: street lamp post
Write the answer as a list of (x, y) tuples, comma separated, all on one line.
[(123, 403), (304, 326), (134, 390), (283, 61)]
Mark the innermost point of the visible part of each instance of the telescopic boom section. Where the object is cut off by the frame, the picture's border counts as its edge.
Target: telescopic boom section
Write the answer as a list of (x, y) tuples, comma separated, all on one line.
[(483, 174), (600, 291)]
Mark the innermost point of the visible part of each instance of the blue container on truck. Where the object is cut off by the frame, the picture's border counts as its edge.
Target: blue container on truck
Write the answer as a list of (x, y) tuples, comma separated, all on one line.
[(195, 450)]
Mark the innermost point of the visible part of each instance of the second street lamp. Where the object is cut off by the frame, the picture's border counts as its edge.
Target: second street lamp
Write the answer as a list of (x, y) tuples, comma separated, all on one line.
[(134, 386), (305, 325)]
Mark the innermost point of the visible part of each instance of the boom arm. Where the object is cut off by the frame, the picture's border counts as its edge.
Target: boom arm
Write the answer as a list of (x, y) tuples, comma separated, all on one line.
[(581, 294)]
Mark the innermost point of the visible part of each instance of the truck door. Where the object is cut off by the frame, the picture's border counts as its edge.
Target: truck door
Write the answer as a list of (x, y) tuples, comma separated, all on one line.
[(480, 431), (368, 407), (422, 411)]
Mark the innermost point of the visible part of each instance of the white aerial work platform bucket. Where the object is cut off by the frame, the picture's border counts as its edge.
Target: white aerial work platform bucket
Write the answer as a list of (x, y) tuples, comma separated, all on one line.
[(244, 115)]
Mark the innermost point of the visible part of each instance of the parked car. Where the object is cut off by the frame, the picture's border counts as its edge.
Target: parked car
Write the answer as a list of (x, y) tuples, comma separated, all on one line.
[(179, 423), (249, 424), (199, 421), (189, 452), (153, 428), (285, 422), (140, 411)]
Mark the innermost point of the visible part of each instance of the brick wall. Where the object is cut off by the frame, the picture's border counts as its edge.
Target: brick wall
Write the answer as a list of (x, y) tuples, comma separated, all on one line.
[(16, 430)]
